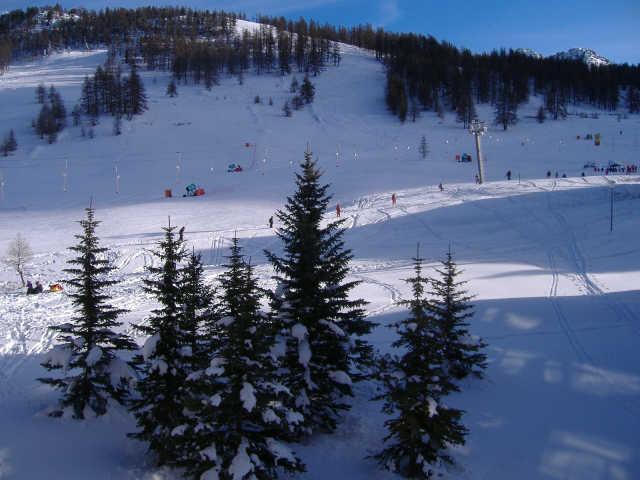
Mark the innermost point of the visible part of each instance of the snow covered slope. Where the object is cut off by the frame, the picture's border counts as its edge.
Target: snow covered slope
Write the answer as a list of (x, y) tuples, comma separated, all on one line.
[(557, 293)]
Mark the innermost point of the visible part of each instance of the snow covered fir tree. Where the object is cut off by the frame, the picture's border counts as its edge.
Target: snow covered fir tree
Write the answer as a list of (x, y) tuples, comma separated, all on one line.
[(318, 328), (236, 415), (414, 386), (93, 372), (158, 407)]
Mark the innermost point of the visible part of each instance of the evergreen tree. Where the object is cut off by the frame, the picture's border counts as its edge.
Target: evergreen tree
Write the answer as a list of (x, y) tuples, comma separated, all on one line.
[(424, 147), (76, 114), (465, 109), (117, 125), (307, 90), (506, 107), (172, 89), (414, 386), (541, 116), (158, 409), (555, 102), (318, 327), (462, 353), (294, 85), (40, 93), (199, 315), (9, 144), (89, 346), (286, 109), (297, 102), (633, 99), (236, 417), (136, 98)]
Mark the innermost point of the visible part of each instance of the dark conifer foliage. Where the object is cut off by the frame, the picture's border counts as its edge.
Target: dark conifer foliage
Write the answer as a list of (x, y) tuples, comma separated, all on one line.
[(415, 385), (236, 418), (134, 94), (555, 102), (172, 89), (452, 310), (307, 90), (88, 349), (9, 144), (108, 92), (506, 106), (318, 328), (633, 99), (159, 406), (53, 115)]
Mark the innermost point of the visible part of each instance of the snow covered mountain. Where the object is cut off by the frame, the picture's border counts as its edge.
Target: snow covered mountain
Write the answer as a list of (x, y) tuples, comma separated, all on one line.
[(588, 56), (529, 52)]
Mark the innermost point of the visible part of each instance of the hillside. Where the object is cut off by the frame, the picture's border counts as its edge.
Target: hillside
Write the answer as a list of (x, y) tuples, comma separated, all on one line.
[(555, 291)]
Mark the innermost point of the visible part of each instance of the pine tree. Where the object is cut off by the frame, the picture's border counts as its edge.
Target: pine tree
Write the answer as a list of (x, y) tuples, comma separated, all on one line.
[(236, 419), (465, 109), (172, 89), (9, 144), (506, 107), (199, 314), (633, 99), (555, 102), (158, 409), (462, 353), (294, 85), (318, 327), (89, 346), (286, 109), (40, 93), (307, 90), (424, 147), (136, 98), (414, 385)]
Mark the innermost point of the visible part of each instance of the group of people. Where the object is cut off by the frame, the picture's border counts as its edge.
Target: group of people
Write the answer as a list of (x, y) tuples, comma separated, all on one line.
[(32, 290), (39, 288)]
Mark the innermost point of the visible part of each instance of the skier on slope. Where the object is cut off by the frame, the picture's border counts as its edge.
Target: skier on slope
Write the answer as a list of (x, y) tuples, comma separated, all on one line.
[(271, 221), (393, 199), (440, 187), (338, 210), (508, 175)]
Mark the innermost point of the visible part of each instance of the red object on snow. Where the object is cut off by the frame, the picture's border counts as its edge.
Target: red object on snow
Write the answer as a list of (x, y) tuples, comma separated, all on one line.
[(167, 193), (199, 192)]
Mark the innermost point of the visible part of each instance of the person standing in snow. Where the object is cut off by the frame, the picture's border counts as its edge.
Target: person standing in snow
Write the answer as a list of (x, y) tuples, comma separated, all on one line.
[(271, 221), (38, 288), (338, 210), (393, 199), (440, 187), (508, 175)]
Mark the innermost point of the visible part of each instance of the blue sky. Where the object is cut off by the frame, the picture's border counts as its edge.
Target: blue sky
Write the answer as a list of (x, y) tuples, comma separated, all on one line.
[(611, 28)]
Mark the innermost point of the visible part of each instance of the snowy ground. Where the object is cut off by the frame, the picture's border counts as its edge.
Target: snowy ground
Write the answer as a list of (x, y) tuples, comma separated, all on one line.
[(557, 293)]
